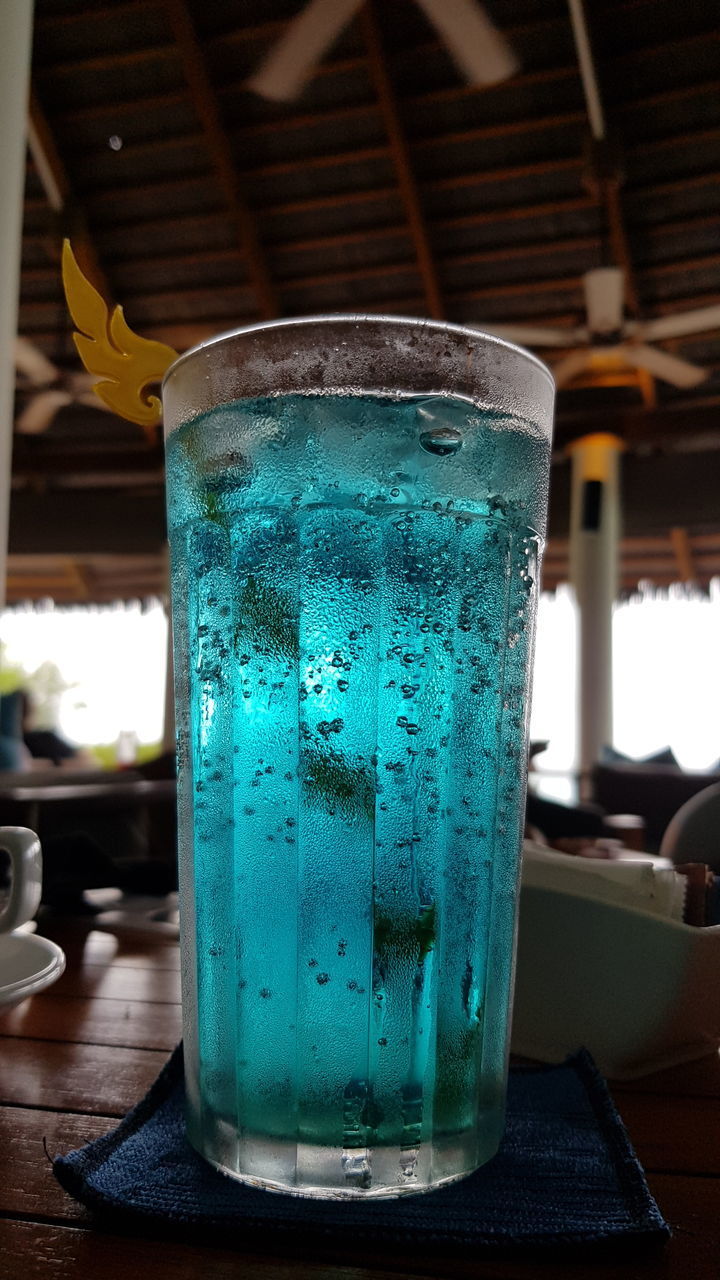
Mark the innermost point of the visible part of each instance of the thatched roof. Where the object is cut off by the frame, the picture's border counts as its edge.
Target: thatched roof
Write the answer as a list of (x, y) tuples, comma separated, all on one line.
[(390, 185)]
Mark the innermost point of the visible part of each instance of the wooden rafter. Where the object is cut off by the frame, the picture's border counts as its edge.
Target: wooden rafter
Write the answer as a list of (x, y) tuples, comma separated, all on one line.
[(683, 551), (672, 47), (60, 197), (500, 215), (674, 428), (109, 61), (362, 236), (505, 129), (603, 178), (401, 160), (206, 105), (195, 294), (475, 178), (96, 13)]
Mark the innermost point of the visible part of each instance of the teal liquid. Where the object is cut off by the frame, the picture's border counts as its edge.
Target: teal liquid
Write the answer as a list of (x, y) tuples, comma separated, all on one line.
[(353, 585)]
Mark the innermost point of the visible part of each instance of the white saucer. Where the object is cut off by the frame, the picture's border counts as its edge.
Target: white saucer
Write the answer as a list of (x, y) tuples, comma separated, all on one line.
[(28, 964)]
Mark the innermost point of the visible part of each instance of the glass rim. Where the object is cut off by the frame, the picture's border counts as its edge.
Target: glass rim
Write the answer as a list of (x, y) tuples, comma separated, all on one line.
[(358, 354), (418, 323)]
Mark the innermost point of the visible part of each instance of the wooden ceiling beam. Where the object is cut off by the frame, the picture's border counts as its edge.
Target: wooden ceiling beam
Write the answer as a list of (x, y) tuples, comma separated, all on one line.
[(306, 120), (271, 30), (60, 196), (361, 235), (205, 103), (376, 271), (538, 168), (328, 67), (619, 240), (706, 543), (697, 263), (158, 186), (119, 106), (678, 305), (656, 190), (672, 46), (193, 257), (684, 427), (513, 252), (400, 152), (518, 289), (459, 91), (682, 549), (510, 128), (516, 213), (94, 13), (330, 115), (199, 222), (499, 214), (288, 208), (148, 147), (676, 94), (689, 139), (483, 177), (326, 160), (108, 61), (249, 34), (56, 461), (652, 545), (678, 226)]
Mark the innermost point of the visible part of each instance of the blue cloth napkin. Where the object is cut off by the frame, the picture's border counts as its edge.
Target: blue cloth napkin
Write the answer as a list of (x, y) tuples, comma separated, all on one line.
[(565, 1175)]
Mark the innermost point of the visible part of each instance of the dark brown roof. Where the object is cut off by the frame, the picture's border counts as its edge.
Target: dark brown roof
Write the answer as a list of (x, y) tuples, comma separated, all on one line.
[(389, 186)]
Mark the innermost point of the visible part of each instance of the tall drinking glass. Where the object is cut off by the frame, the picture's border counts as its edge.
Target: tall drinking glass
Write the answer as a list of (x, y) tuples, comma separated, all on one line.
[(356, 508)]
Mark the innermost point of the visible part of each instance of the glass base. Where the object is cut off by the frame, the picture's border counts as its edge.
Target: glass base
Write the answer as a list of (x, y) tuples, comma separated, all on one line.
[(336, 1173)]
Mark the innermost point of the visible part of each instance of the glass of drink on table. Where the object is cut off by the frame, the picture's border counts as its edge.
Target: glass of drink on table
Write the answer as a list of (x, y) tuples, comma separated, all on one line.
[(356, 509)]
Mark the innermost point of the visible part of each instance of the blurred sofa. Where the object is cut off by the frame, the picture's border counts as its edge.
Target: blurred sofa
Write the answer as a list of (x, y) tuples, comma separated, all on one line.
[(653, 790)]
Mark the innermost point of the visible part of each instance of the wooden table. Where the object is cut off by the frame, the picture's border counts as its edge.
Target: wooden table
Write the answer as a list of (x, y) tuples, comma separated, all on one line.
[(101, 809), (75, 1058)]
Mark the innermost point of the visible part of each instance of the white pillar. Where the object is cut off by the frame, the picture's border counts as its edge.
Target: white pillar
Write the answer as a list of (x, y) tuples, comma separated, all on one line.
[(594, 541), (15, 51)]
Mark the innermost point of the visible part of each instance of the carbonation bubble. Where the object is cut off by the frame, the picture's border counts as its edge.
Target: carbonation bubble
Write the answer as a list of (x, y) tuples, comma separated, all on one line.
[(440, 440)]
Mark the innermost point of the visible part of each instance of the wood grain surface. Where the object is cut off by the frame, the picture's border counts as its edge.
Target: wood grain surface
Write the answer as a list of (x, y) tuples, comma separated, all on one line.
[(74, 1059)]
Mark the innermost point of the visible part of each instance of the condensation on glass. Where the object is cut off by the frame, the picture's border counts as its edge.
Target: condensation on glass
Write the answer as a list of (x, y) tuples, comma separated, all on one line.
[(356, 508)]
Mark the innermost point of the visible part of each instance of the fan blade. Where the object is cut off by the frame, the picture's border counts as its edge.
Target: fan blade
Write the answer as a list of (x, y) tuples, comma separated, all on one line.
[(79, 383), (679, 373), (477, 47), (529, 336), (565, 370), (291, 62), (33, 364), (698, 321), (604, 297), (39, 412), (92, 400)]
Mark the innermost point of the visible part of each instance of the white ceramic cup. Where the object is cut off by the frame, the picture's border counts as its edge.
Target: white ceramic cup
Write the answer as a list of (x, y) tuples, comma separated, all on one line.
[(23, 849)]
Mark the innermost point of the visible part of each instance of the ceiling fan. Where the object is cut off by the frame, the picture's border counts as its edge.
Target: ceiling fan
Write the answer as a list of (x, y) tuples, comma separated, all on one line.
[(50, 389), (479, 50), (608, 338)]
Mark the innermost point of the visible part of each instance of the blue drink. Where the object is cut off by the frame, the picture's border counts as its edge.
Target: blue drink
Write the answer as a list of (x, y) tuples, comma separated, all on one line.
[(353, 593)]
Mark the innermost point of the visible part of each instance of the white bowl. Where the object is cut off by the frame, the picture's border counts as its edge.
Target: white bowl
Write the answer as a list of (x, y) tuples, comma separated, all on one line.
[(28, 964), (639, 991)]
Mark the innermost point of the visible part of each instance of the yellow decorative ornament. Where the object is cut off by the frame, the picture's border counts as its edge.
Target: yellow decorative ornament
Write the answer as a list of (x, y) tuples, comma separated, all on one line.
[(126, 363)]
